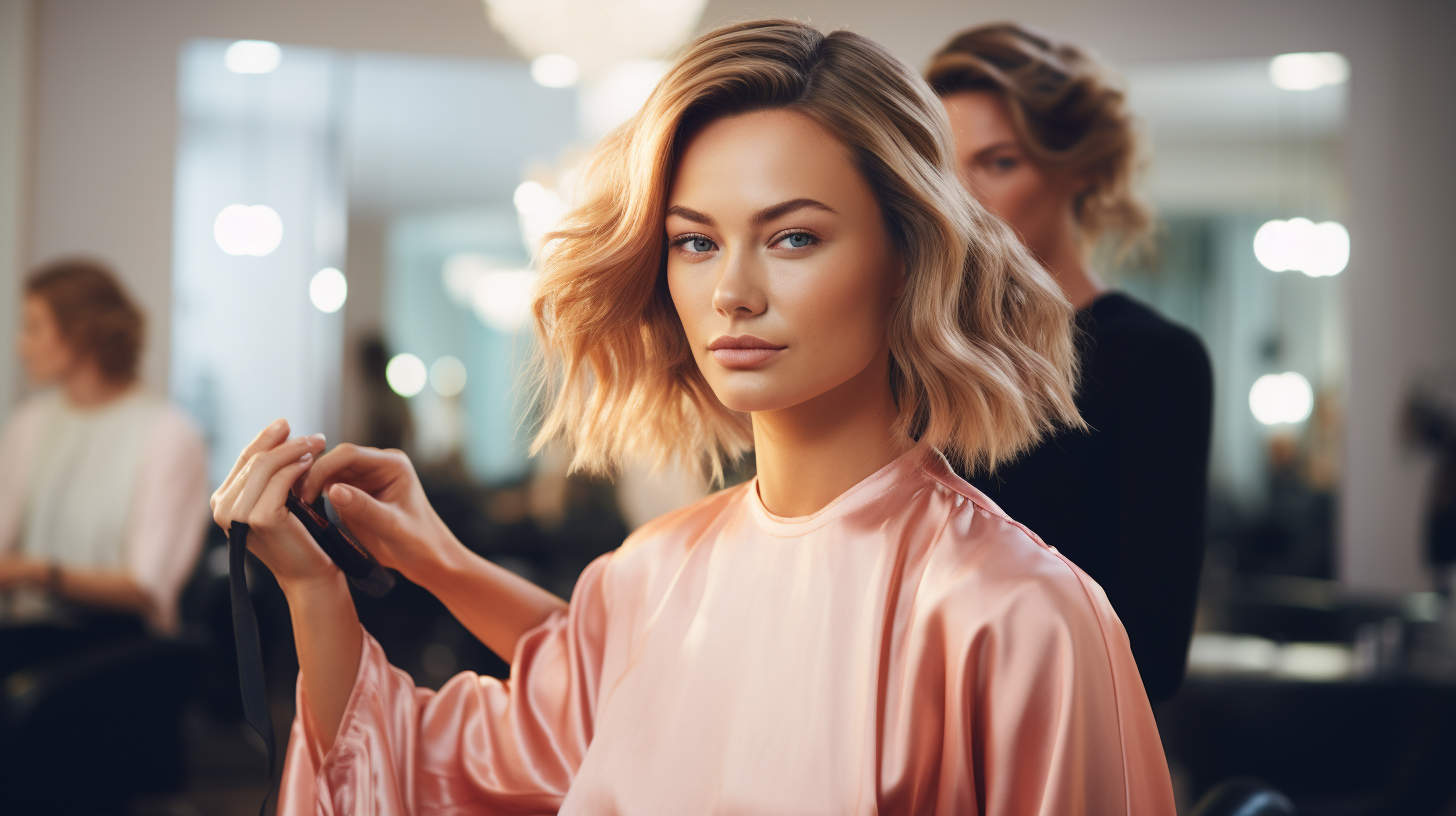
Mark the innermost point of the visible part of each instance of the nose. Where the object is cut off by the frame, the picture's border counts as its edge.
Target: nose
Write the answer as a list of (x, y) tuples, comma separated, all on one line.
[(740, 291)]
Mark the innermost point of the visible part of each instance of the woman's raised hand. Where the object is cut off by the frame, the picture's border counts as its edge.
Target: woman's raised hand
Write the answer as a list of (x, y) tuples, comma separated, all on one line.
[(254, 494), (379, 498)]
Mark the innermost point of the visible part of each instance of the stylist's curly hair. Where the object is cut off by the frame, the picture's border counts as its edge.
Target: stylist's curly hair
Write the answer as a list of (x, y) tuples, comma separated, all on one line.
[(93, 313), (1070, 114)]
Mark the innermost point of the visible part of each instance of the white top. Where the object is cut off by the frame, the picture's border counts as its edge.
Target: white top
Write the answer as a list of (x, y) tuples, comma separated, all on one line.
[(123, 486)]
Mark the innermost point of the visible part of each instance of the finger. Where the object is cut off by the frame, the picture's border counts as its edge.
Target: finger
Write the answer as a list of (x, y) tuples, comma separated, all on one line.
[(365, 516), (266, 440), (368, 467), (262, 467), (225, 501), (227, 496), (270, 505)]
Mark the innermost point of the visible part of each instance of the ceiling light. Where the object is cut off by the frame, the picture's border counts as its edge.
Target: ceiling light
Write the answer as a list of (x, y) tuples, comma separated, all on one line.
[(252, 56), (595, 33), (1308, 71)]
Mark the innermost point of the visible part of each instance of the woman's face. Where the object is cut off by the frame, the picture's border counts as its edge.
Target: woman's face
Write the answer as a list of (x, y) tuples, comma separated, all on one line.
[(778, 261), (997, 171), (47, 357)]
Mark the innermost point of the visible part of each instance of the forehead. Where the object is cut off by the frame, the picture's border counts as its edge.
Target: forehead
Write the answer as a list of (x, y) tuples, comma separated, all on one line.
[(979, 119), (762, 158)]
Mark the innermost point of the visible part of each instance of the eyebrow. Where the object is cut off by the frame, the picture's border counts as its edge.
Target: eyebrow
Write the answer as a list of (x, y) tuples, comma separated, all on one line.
[(761, 217)]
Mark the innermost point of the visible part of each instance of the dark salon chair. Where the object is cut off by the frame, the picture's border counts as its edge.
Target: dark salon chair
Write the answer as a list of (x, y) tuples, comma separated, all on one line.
[(1245, 796), (88, 733)]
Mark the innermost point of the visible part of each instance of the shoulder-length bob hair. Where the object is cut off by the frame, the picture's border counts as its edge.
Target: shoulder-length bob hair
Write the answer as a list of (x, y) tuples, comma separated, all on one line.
[(982, 361)]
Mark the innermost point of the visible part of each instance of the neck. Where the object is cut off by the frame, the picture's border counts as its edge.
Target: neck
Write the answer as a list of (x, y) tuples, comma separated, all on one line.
[(811, 453), (1068, 261), (88, 388)]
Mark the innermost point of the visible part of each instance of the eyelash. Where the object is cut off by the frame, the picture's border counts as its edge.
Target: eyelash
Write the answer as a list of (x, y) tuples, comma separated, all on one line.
[(684, 239)]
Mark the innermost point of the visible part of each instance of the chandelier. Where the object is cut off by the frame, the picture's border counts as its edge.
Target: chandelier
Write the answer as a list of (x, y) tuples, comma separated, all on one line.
[(595, 33)]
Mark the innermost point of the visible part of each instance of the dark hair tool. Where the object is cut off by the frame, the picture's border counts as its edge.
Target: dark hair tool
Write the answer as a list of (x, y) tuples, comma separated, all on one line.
[(357, 563)]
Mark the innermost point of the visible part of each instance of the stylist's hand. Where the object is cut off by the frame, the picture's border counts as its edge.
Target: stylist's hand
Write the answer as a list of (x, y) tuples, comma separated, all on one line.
[(254, 493), (379, 498)]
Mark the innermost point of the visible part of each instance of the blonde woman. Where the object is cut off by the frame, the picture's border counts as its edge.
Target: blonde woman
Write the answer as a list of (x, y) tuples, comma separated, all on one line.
[(774, 253), (1044, 140)]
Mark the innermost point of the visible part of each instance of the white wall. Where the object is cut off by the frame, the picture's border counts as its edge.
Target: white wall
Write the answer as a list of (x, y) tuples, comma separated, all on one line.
[(17, 36), (105, 125), (106, 117)]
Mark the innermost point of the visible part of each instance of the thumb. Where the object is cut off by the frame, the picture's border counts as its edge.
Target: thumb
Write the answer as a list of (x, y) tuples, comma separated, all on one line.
[(360, 512)]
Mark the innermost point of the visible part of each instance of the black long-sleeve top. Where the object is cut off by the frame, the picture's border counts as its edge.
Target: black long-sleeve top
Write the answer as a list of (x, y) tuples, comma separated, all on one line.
[(1126, 501)]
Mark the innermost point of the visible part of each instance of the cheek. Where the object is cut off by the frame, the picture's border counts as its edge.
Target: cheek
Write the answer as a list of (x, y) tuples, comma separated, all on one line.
[(839, 312), (692, 298), (1011, 196)]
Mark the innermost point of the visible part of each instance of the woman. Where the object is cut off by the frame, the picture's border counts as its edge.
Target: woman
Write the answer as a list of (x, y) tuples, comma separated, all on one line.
[(1044, 140), (774, 253), (102, 487)]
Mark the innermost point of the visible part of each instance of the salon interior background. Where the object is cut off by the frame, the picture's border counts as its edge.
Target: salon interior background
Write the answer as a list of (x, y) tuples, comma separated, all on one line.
[(94, 111)]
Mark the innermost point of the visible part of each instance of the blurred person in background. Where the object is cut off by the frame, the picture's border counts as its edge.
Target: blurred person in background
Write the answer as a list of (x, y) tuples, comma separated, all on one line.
[(1044, 139), (103, 487)]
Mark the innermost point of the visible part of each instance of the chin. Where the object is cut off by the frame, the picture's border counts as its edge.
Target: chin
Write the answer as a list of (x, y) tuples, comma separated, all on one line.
[(738, 393), (745, 397)]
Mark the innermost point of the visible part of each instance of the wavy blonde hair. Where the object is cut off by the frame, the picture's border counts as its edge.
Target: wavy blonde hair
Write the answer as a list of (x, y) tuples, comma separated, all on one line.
[(1070, 114), (982, 362)]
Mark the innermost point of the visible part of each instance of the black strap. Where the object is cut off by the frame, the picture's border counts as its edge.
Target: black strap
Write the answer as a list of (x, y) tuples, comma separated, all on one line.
[(250, 650)]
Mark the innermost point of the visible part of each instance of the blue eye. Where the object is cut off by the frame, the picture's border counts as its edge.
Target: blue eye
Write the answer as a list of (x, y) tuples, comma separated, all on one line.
[(694, 244), (797, 240)]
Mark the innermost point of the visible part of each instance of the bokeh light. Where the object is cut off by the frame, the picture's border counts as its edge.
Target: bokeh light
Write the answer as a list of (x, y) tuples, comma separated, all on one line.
[(406, 374), (447, 376), (1317, 250), (328, 290), (244, 230), (1278, 398)]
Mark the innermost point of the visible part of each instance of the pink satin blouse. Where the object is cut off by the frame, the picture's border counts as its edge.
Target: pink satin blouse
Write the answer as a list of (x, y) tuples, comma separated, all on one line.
[(906, 650)]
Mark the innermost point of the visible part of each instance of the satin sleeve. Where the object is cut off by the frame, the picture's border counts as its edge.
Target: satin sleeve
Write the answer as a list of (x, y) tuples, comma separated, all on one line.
[(1060, 723), (478, 745)]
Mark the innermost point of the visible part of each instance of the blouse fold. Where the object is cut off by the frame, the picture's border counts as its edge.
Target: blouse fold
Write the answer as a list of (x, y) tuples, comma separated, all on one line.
[(908, 649)]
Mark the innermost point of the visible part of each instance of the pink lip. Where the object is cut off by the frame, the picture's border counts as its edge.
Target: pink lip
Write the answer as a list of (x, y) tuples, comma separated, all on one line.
[(745, 351)]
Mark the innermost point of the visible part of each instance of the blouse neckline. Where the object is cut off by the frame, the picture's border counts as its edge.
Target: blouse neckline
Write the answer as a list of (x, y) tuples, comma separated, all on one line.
[(865, 491)]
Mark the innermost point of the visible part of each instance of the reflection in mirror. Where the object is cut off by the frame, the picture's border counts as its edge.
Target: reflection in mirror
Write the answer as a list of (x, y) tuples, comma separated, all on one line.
[(1245, 173)]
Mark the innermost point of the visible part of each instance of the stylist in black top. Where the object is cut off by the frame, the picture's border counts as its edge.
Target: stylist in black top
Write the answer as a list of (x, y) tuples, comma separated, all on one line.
[(1045, 141)]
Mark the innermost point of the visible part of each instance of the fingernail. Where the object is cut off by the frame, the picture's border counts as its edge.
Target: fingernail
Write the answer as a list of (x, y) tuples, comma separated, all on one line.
[(340, 496), (305, 457), (319, 437), (277, 423)]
